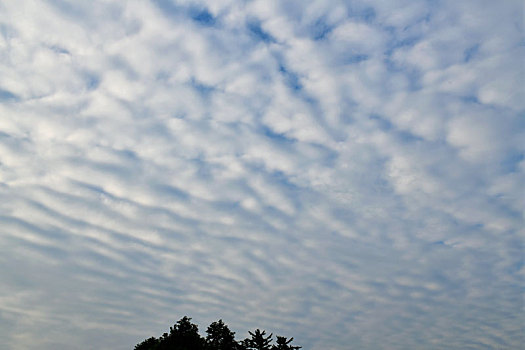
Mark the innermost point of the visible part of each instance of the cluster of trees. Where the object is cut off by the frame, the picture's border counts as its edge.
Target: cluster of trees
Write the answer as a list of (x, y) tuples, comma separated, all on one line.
[(184, 335)]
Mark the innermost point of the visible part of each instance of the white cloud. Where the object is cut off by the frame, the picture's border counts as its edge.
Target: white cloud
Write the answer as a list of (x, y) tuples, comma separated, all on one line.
[(341, 173)]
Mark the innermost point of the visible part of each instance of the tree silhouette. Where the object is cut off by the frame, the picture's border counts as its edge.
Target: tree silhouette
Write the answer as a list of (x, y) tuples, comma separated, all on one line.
[(147, 344), (258, 341), (282, 344), (220, 337), (184, 335)]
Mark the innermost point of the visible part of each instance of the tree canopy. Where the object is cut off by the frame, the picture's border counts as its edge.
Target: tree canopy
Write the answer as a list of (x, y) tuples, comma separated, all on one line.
[(184, 335)]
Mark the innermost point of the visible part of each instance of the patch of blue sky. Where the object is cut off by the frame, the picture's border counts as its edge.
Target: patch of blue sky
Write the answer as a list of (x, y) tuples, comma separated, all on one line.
[(203, 89), (59, 50), (281, 180), (257, 32), (5, 30), (120, 63), (291, 79), (354, 58), (91, 81), (4, 135), (511, 163), (471, 52), (168, 8), (228, 206), (407, 137), (383, 123), (276, 137), (90, 187), (324, 155), (199, 15), (345, 215), (332, 285), (402, 135), (8, 96), (413, 75), (470, 99), (172, 192), (320, 29), (366, 14), (516, 268), (202, 17), (106, 168), (396, 43), (126, 155), (204, 168)]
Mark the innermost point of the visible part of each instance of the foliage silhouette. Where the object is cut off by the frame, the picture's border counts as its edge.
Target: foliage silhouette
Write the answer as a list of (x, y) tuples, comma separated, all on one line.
[(220, 337), (258, 341), (150, 343), (184, 335), (282, 344)]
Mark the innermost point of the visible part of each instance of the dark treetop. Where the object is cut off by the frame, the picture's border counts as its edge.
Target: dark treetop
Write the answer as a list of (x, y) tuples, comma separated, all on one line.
[(184, 335)]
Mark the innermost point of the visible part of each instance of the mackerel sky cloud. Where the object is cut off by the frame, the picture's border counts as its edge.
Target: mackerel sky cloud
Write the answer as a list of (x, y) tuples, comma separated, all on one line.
[(349, 173)]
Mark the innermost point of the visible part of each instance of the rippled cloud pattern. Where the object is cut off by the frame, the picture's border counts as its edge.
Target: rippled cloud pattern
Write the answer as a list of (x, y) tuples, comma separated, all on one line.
[(349, 173)]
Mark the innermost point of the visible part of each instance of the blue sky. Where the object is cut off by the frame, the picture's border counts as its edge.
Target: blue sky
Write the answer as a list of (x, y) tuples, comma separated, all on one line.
[(349, 173)]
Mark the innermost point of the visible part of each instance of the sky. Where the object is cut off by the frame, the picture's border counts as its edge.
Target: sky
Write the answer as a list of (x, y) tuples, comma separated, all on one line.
[(349, 173)]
